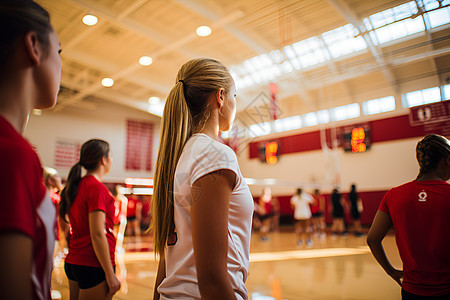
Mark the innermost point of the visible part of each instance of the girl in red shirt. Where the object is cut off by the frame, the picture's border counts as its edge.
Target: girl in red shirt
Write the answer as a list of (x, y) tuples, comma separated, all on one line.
[(419, 212), (90, 206), (30, 73)]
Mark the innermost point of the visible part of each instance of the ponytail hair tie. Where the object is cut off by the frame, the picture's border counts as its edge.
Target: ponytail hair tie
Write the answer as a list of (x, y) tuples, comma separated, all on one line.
[(181, 81)]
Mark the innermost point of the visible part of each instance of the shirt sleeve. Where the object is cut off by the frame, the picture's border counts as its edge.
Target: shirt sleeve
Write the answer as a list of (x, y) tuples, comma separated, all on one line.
[(98, 198), (212, 157), (384, 202), (22, 189)]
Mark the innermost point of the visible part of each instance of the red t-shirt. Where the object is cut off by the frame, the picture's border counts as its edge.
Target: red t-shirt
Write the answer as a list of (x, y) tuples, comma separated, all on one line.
[(92, 195), (131, 206), (26, 205), (315, 208), (420, 212)]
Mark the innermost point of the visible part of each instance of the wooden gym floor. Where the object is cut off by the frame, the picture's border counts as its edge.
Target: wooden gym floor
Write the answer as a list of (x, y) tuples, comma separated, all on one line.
[(333, 268)]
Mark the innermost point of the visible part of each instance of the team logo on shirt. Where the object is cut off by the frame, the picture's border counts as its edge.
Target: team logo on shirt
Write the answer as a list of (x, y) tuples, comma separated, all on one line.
[(422, 196)]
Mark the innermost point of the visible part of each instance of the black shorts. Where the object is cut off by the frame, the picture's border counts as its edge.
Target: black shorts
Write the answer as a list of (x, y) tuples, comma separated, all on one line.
[(355, 215), (338, 213), (266, 216), (317, 214), (132, 218), (87, 277)]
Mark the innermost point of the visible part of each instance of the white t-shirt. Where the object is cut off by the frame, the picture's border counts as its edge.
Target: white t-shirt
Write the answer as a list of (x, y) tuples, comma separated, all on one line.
[(202, 155), (302, 210)]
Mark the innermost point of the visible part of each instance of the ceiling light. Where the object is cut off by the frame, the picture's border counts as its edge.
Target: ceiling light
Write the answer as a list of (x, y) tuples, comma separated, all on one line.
[(145, 60), (154, 100), (203, 31), (90, 20), (107, 82)]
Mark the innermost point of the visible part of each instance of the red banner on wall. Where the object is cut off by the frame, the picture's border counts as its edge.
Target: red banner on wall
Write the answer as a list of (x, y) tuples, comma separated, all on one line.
[(430, 113), (139, 146), (67, 153)]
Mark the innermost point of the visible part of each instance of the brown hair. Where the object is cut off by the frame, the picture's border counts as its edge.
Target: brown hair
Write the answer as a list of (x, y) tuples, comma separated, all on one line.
[(186, 112), (91, 154), (18, 17), (429, 152)]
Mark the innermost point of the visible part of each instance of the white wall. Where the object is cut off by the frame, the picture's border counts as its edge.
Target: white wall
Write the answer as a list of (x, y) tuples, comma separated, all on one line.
[(108, 123), (385, 165)]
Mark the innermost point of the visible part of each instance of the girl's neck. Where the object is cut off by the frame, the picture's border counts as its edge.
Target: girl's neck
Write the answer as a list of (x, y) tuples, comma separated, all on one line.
[(97, 174), (211, 127), (17, 117), (432, 175), (16, 102)]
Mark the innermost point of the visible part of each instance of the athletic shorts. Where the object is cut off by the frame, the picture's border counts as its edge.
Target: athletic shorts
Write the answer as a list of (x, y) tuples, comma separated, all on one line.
[(317, 214), (338, 212), (355, 215), (87, 277), (132, 218), (267, 216)]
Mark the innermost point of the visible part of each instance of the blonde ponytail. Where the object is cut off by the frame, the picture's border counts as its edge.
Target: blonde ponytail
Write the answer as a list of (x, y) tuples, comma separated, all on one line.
[(185, 112), (175, 131)]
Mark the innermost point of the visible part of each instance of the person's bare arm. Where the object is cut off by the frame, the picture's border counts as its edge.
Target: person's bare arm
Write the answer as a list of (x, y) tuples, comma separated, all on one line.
[(322, 203), (65, 228), (209, 218), (15, 260), (101, 248), (380, 227), (360, 205), (160, 275)]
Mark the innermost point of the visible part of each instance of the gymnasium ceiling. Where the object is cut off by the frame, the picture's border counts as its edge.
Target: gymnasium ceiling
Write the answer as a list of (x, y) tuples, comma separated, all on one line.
[(241, 30)]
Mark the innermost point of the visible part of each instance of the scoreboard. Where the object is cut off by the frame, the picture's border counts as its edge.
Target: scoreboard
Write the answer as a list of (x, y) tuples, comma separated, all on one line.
[(356, 138)]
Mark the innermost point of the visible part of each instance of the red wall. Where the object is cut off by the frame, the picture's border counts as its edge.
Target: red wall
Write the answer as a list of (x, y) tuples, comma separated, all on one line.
[(388, 129)]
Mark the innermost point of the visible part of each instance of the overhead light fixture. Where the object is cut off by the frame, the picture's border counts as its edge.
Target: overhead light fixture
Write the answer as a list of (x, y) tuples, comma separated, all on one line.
[(203, 31), (145, 60), (156, 109), (154, 100), (90, 20), (107, 82)]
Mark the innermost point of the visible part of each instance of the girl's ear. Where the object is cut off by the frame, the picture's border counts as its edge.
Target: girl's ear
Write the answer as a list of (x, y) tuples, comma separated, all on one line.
[(33, 47), (104, 161), (220, 97)]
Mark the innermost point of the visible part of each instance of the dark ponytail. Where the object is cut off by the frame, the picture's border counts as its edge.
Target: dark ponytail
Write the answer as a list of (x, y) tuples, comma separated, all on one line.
[(429, 152), (70, 191), (91, 154)]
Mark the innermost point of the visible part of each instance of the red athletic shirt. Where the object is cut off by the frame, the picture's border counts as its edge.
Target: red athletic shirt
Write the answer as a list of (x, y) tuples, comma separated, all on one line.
[(420, 212), (92, 195), (316, 207), (131, 206), (25, 204)]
